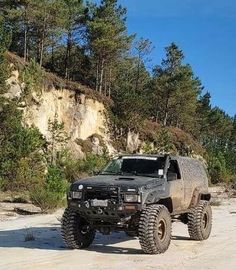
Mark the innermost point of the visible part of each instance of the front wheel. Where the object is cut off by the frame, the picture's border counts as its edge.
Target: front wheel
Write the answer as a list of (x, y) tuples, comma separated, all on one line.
[(155, 229), (200, 221), (75, 231)]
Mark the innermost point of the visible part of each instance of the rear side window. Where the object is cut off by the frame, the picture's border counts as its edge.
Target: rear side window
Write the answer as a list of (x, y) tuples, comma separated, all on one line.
[(174, 168)]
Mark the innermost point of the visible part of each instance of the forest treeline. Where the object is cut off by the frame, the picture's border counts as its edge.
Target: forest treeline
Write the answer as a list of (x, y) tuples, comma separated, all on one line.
[(90, 43)]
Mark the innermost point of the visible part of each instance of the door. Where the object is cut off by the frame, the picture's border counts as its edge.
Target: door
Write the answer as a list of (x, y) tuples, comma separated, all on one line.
[(176, 186)]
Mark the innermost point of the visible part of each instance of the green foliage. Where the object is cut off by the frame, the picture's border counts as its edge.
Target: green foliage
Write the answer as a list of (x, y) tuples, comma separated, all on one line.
[(2, 183), (217, 167), (174, 91), (21, 159), (147, 147), (33, 76), (55, 180), (52, 194), (164, 142), (29, 173), (92, 163), (47, 200), (57, 140), (129, 110), (4, 42)]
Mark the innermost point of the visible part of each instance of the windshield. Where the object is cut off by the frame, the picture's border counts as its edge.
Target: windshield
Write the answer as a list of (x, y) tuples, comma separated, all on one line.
[(145, 166)]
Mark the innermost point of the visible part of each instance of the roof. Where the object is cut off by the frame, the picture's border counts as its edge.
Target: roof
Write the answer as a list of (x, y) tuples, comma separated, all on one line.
[(156, 156)]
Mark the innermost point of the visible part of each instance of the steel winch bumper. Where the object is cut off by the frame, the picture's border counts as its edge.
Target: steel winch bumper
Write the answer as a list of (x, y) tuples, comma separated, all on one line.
[(104, 211)]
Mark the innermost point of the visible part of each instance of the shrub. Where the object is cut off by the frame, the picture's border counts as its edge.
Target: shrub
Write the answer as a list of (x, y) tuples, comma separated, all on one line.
[(55, 180), (217, 167), (33, 77), (21, 158), (1, 183), (52, 194), (76, 169), (47, 200), (92, 163), (30, 173)]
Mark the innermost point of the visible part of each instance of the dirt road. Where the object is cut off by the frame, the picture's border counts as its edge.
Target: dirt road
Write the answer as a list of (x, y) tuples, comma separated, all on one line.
[(116, 252)]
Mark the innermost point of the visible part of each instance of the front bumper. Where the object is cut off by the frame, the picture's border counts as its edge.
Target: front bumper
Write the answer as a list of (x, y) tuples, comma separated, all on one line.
[(108, 213)]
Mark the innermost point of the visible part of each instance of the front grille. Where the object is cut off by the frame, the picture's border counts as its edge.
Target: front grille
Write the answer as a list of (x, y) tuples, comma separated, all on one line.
[(101, 193)]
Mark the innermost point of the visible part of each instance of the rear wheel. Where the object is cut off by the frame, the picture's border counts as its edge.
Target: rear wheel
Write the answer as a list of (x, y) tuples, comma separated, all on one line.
[(155, 229), (200, 221), (75, 231)]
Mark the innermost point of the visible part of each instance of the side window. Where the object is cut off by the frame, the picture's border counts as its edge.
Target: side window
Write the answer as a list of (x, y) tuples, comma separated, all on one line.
[(174, 169)]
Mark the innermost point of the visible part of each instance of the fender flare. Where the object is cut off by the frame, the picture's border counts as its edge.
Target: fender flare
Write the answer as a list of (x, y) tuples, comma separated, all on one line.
[(199, 195)]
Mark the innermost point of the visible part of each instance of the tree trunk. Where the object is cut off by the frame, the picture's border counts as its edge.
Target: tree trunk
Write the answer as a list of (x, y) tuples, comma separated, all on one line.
[(25, 44), (52, 57), (42, 43), (101, 76), (109, 87), (68, 54), (97, 76), (105, 82), (156, 117), (166, 112), (41, 52), (138, 75)]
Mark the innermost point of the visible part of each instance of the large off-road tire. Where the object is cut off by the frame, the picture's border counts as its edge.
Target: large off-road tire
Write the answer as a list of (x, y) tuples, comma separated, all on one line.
[(155, 229), (200, 221), (75, 231)]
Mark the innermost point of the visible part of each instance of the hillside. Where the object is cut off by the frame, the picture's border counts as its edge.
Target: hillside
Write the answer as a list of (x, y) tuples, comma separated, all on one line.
[(84, 114)]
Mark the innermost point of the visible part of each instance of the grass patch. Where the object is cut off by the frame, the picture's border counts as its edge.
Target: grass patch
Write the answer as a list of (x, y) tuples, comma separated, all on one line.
[(47, 200)]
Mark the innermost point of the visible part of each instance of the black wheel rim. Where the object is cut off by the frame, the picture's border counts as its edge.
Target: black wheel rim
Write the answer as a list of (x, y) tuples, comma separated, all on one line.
[(205, 220), (83, 226), (161, 230)]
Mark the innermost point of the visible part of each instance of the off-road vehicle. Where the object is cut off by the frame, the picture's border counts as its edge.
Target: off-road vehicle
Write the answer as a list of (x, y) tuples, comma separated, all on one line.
[(141, 195)]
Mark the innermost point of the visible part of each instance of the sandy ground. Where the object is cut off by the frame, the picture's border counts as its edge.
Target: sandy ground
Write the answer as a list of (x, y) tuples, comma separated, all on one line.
[(116, 251)]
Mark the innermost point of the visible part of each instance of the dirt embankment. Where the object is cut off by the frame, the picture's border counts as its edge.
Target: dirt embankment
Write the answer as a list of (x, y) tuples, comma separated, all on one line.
[(117, 251)]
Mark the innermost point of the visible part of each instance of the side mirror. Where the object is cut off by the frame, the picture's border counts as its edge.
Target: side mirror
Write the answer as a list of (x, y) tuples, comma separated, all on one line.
[(172, 176)]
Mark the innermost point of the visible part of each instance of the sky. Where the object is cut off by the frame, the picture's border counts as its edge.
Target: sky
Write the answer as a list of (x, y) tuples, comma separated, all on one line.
[(206, 32)]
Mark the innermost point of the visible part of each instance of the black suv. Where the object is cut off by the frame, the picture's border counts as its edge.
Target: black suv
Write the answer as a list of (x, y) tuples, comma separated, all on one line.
[(141, 195)]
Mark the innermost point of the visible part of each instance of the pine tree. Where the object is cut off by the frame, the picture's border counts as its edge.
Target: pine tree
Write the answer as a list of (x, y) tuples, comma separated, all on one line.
[(107, 39), (175, 90), (4, 43), (74, 13), (143, 48)]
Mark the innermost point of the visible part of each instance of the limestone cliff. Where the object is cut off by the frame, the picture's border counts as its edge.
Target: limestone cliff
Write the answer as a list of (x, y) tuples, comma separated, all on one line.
[(83, 117)]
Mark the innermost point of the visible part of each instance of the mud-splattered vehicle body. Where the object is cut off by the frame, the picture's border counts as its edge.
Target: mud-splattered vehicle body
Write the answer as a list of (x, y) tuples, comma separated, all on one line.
[(141, 195)]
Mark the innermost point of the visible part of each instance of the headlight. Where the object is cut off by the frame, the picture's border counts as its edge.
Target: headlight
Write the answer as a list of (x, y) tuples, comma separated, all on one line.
[(132, 198), (76, 194)]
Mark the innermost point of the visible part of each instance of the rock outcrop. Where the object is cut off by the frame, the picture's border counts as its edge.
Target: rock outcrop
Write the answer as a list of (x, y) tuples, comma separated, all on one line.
[(82, 116)]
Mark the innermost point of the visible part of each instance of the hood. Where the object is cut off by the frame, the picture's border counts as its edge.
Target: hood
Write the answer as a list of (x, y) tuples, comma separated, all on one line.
[(119, 181)]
